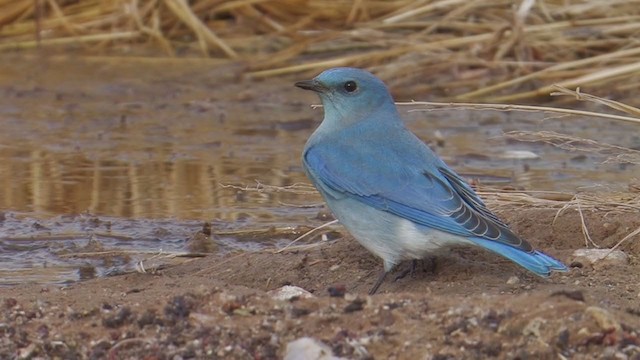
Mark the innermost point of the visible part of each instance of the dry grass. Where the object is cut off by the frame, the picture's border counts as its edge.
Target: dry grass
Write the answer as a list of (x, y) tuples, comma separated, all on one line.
[(494, 50)]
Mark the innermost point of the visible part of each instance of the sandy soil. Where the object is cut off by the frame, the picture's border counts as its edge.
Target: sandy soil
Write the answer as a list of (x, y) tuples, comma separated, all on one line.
[(470, 305)]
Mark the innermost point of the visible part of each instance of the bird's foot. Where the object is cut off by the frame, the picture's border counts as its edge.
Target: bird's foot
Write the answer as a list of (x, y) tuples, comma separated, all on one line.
[(429, 264), (411, 271)]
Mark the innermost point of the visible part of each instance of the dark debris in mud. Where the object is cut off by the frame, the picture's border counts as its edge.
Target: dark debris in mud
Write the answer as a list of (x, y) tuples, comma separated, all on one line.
[(226, 324)]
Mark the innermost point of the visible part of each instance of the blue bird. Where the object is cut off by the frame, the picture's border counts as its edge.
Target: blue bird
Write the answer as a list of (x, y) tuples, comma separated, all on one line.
[(395, 196)]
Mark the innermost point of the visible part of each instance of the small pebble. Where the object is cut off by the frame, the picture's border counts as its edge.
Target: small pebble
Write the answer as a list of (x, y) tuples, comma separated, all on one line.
[(576, 295), (519, 155), (533, 327), (289, 292), (603, 318), (307, 348), (355, 305), (337, 291), (513, 280), (600, 257)]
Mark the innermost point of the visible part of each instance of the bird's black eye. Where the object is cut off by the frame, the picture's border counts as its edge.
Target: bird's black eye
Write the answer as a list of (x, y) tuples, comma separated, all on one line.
[(350, 86)]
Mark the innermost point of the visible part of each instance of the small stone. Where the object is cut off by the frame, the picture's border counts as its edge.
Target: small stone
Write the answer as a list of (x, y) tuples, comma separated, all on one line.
[(600, 257), (334, 267), (603, 318), (149, 317), (350, 296), (297, 312), (519, 155), (576, 295), (337, 291), (513, 280), (27, 352), (562, 340), (43, 331), (308, 349), (609, 353), (10, 302), (178, 307), (533, 327), (122, 317), (289, 292), (583, 332), (355, 305), (202, 319)]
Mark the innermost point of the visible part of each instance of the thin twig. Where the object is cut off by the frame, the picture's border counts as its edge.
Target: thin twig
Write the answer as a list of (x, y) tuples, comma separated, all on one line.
[(512, 107), (629, 236), (306, 234), (584, 229)]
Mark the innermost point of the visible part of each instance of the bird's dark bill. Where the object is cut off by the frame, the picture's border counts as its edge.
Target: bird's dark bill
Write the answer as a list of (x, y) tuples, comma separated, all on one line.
[(313, 85)]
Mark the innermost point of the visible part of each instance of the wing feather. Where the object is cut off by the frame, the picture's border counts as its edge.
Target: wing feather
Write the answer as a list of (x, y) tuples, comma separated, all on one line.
[(436, 198)]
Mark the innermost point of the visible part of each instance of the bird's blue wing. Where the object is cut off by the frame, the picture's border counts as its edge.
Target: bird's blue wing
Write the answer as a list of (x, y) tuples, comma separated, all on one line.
[(429, 194)]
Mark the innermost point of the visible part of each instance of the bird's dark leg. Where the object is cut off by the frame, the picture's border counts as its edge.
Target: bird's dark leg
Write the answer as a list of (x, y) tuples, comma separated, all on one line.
[(379, 282), (430, 264), (411, 270)]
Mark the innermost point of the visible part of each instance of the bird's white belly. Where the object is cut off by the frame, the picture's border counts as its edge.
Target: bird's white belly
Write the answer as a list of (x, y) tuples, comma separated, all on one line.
[(415, 239), (388, 236)]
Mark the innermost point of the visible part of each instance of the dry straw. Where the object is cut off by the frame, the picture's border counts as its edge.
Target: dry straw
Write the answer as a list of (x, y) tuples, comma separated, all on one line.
[(493, 50)]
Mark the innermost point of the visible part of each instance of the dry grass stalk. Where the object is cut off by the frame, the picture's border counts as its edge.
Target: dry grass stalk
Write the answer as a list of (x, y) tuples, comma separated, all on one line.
[(430, 106), (589, 78), (629, 236), (301, 189), (560, 91), (288, 247), (451, 48), (612, 56), (205, 35), (616, 105)]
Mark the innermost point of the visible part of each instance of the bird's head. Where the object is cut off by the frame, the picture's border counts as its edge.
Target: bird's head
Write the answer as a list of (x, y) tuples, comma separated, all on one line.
[(349, 95)]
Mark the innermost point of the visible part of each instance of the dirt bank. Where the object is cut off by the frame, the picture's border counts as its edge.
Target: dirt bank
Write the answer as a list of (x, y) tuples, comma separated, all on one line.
[(471, 304)]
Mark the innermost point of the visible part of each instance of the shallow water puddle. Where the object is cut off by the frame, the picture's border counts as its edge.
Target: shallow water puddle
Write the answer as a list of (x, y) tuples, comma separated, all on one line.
[(75, 247), (156, 149)]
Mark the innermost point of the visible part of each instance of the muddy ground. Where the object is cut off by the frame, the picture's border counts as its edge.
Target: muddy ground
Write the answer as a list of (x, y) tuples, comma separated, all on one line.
[(469, 305)]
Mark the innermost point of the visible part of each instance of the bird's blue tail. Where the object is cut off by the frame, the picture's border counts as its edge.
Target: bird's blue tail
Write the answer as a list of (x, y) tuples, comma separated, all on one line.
[(538, 263)]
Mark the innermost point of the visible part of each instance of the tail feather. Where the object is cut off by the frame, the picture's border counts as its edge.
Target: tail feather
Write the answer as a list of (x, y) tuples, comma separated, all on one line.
[(537, 262)]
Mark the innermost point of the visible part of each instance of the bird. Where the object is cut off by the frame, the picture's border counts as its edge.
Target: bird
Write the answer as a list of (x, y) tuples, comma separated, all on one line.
[(393, 194)]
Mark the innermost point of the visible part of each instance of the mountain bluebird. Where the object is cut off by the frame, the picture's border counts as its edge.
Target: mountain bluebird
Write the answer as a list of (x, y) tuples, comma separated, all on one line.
[(394, 195)]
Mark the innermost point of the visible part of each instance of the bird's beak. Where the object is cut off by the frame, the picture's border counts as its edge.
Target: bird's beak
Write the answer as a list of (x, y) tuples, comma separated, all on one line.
[(313, 85)]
